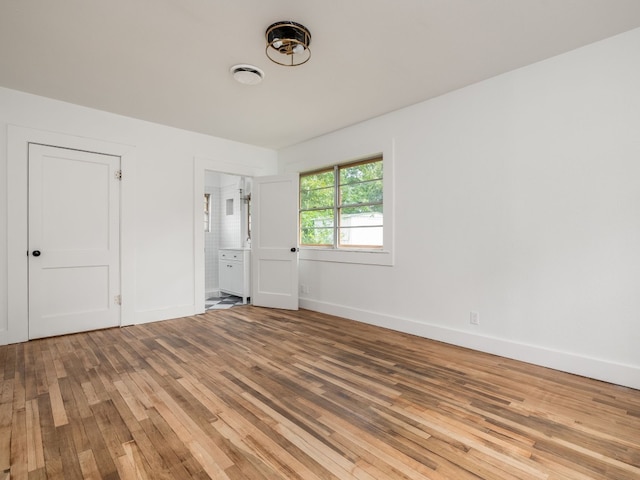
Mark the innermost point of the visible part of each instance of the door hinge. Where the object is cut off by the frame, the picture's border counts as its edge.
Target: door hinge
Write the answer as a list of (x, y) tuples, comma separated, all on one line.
[(118, 174), (117, 299)]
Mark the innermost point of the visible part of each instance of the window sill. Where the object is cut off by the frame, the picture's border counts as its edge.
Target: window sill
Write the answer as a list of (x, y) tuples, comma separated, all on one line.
[(358, 256)]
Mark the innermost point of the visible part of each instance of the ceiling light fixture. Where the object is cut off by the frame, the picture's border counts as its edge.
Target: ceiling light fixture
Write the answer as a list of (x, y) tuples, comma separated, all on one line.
[(247, 74), (288, 43)]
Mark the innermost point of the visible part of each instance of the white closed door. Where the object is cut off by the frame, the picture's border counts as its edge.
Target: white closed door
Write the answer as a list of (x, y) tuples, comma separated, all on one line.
[(274, 240), (74, 241)]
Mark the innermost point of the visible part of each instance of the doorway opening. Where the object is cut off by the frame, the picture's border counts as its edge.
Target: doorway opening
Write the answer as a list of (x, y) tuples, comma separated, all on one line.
[(227, 239)]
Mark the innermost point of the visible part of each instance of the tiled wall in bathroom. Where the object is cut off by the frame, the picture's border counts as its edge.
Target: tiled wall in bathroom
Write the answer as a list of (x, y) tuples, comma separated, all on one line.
[(230, 218)]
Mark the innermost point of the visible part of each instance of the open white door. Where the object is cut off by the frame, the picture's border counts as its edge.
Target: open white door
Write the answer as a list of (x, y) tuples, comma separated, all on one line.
[(274, 219), (74, 251)]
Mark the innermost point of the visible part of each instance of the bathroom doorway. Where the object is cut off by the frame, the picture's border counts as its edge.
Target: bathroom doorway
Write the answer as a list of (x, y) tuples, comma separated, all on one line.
[(227, 239)]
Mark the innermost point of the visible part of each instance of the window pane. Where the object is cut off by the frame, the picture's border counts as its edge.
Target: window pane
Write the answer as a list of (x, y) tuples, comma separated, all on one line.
[(361, 172), (361, 236), (316, 218), (317, 180), (316, 236), (322, 197), (358, 193), (207, 212), (316, 227), (361, 226), (361, 216)]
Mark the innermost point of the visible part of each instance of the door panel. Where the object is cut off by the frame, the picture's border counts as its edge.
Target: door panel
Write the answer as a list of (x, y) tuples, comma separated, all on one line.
[(274, 236), (74, 224)]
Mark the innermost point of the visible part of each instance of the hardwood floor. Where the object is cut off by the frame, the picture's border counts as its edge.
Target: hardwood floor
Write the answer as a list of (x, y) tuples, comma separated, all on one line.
[(251, 393)]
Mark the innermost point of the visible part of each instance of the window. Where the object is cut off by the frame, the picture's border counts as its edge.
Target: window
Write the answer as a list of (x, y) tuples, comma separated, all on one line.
[(207, 212), (341, 206)]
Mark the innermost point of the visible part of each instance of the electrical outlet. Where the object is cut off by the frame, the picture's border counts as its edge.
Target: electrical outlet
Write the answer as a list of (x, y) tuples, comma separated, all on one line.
[(474, 318), (302, 288)]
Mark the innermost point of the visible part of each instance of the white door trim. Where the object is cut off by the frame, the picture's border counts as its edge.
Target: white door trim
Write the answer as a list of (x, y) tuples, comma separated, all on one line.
[(18, 139)]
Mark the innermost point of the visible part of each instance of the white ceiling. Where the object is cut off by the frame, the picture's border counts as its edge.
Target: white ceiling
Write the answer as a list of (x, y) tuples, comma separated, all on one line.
[(167, 61)]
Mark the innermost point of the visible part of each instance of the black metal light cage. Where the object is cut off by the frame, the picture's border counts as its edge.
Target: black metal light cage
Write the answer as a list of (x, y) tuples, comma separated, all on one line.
[(285, 39)]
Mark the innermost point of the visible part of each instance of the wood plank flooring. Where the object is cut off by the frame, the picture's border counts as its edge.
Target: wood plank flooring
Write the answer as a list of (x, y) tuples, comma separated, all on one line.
[(251, 393)]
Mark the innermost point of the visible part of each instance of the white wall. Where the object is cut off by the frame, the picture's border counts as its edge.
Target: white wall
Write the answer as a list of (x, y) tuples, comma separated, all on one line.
[(519, 198), (159, 199)]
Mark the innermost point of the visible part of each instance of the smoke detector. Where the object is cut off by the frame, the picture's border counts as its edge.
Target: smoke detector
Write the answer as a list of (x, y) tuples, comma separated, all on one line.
[(247, 74)]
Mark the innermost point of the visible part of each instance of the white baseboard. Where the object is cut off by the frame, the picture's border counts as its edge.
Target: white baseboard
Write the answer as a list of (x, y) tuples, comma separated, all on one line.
[(149, 316), (620, 374)]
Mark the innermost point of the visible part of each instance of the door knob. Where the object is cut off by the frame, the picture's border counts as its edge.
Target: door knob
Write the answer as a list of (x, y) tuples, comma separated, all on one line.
[(36, 253), (294, 249)]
